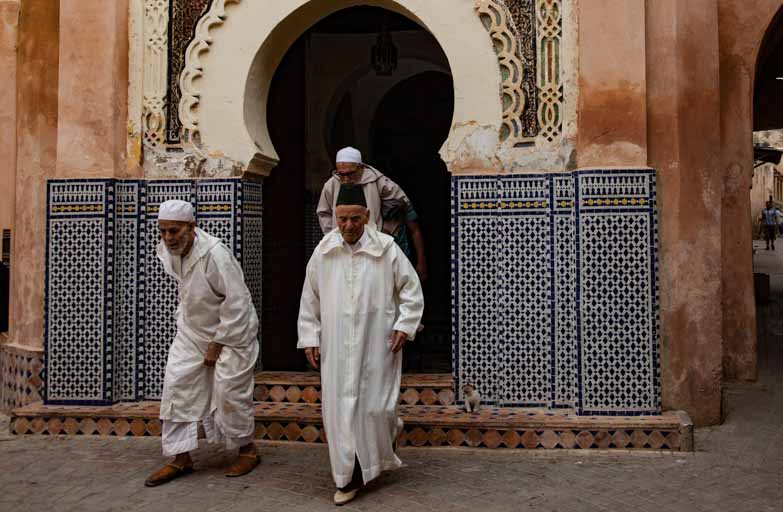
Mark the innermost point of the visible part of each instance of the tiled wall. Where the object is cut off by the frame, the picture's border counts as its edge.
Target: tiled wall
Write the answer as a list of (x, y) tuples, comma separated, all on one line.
[(109, 313), (555, 299), (555, 290), (21, 377)]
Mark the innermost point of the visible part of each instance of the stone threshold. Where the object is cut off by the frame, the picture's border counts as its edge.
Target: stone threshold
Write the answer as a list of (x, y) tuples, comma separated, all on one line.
[(425, 426)]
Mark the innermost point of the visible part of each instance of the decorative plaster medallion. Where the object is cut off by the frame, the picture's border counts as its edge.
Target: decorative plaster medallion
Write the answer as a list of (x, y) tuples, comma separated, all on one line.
[(497, 20), (156, 23), (529, 55), (185, 14), (188, 104), (550, 86)]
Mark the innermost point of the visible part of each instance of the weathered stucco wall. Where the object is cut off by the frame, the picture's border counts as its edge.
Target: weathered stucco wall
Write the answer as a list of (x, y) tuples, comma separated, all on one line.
[(93, 88), (37, 101), (612, 84), (742, 31), (9, 17), (683, 118)]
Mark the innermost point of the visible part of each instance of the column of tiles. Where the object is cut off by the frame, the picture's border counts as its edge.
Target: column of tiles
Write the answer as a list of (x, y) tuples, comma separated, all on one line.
[(78, 303), (160, 297), (525, 306), (617, 278)]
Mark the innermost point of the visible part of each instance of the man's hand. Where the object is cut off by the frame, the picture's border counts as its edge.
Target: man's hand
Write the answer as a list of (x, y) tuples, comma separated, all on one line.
[(213, 353), (398, 339), (313, 356)]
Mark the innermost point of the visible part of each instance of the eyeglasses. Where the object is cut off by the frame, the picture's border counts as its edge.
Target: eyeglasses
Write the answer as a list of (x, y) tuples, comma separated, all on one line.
[(346, 175)]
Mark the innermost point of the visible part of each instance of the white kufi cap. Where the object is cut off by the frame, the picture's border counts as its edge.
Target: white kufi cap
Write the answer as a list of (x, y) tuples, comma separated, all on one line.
[(176, 209), (349, 154)]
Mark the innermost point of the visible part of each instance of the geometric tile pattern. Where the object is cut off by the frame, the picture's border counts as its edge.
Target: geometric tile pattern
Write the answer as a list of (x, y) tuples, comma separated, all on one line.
[(294, 387), (252, 211), (160, 297), (128, 292), (110, 308), (617, 314), (564, 287), (554, 283), (78, 320), (20, 377), (424, 426)]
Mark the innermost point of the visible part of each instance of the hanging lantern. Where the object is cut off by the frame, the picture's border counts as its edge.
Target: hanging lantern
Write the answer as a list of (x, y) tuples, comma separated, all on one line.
[(384, 53)]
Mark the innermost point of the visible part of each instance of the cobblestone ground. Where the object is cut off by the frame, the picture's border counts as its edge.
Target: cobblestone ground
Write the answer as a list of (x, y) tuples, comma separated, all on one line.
[(737, 466)]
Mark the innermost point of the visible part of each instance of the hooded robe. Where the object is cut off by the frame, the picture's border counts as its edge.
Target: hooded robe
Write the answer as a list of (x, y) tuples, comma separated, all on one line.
[(377, 189), (351, 303)]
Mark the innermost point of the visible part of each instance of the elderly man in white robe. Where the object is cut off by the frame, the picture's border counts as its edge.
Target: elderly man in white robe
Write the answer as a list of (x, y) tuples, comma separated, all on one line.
[(378, 190), (361, 302), (209, 373)]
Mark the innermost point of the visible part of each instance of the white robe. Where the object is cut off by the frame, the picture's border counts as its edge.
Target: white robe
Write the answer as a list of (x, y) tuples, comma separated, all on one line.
[(214, 305), (351, 303)]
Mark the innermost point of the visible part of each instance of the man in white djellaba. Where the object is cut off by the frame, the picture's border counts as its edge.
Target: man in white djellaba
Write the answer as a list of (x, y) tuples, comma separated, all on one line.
[(361, 302), (209, 373)]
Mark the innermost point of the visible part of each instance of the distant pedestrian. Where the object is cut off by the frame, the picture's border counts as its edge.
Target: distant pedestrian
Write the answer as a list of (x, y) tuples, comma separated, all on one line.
[(769, 223)]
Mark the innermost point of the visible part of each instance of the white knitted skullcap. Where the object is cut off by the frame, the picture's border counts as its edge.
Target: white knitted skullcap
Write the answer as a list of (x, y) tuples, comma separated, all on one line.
[(175, 209), (349, 154)]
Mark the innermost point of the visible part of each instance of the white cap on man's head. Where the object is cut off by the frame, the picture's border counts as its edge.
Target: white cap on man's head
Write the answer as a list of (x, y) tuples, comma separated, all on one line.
[(349, 154), (178, 210)]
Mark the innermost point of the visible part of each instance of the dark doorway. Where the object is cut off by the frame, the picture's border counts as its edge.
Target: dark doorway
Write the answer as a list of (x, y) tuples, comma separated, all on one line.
[(410, 126), (325, 94)]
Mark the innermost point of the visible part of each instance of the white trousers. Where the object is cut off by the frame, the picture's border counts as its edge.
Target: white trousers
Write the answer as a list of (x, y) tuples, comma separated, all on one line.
[(181, 437)]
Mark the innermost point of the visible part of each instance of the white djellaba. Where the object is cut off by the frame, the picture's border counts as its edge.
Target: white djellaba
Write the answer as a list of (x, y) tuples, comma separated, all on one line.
[(351, 303), (214, 305)]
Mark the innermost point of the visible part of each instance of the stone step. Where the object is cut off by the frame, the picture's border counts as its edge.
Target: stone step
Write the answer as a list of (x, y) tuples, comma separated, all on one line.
[(425, 426), (305, 387)]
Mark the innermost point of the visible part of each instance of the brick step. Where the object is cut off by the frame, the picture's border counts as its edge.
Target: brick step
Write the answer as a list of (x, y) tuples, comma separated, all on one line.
[(305, 387), (425, 426)]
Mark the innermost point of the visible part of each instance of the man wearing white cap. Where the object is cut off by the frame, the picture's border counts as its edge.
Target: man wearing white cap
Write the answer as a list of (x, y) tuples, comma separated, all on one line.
[(209, 373), (378, 189)]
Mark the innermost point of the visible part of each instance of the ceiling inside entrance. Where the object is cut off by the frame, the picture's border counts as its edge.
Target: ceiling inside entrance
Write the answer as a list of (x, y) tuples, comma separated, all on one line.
[(364, 20)]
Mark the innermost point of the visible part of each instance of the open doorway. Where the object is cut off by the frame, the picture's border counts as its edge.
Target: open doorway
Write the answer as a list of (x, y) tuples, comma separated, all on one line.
[(766, 196), (327, 93)]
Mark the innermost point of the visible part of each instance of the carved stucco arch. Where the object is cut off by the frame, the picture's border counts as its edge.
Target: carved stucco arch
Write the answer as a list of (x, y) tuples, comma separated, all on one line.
[(239, 45)]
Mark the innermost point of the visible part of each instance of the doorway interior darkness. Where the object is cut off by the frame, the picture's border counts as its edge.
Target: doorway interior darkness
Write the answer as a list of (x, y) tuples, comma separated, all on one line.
[(326, 95)]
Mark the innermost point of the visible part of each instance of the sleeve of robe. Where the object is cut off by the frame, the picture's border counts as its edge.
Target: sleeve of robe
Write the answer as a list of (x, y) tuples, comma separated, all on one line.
[(389, 190), (324, 208), (409, 294), (226, 278), (309, 324)]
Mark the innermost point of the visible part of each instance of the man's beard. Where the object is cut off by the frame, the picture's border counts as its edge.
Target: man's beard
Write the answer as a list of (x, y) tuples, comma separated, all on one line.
[(176, 251)]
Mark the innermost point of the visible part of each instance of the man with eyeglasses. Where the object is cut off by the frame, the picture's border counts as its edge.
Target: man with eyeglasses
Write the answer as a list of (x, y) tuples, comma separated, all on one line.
[(378, 190)]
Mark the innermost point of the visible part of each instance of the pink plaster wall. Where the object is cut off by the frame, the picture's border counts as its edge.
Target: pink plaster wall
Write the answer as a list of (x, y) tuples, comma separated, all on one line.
[(742, 30), (93, 89), (612, 84), (36, 127), (9, 17), (683, 134)]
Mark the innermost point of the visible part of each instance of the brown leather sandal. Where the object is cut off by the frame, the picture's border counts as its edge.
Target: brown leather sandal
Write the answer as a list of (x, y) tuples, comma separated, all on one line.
[(167, 473), (244, 464)]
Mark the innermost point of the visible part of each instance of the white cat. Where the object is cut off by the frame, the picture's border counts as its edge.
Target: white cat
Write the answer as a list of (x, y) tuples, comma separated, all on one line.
[(472, 398)]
